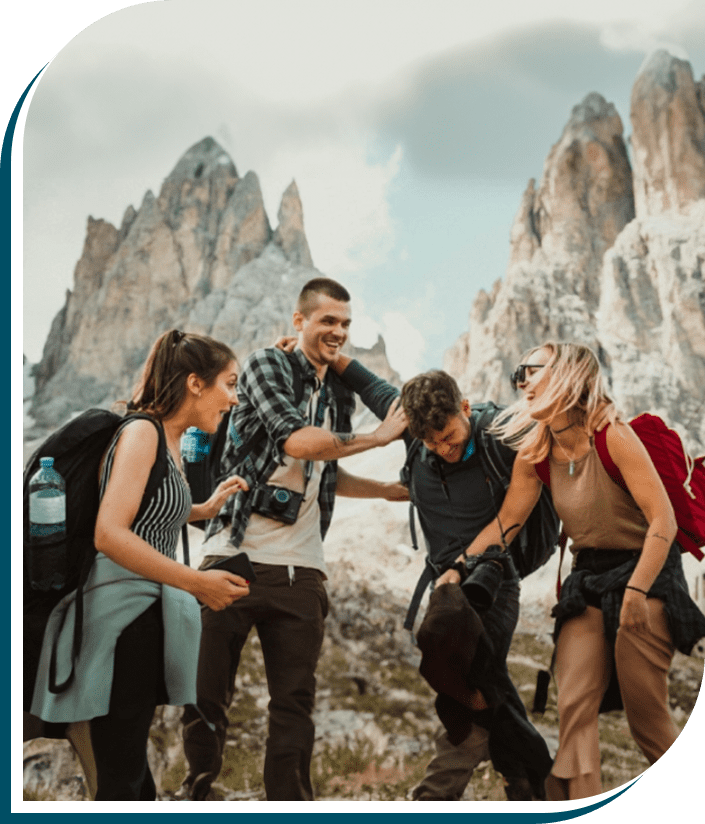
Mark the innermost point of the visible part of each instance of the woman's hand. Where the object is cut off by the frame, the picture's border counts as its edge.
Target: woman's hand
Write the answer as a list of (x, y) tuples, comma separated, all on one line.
[(223, 491), (634, 615), (210, 508), (218, 588), (393, 425), (287, 343)]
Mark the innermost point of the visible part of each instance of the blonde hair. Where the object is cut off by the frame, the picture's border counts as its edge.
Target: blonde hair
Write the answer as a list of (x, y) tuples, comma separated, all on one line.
[(575, 387)]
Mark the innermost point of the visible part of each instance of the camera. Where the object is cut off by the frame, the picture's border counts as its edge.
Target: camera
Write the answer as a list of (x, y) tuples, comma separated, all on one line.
[(277, 503), (484, 575)]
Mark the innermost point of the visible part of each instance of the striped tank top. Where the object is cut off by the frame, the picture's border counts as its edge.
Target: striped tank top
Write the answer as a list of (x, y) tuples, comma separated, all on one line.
[(161, 522)]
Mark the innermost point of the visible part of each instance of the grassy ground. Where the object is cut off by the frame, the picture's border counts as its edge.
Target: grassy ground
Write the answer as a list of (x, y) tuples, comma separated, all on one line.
[(386, 757), (374, 717)]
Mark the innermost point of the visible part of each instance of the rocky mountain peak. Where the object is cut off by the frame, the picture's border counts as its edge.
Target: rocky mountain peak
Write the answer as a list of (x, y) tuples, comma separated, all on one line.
[(668, 140), (201, 256), (202, 160), (588, 266), (585, 195), (290, 232)]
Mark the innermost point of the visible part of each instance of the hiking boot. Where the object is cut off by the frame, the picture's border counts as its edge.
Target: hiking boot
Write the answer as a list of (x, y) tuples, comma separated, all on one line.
[(197, 790), (518, 788), (420, 794)]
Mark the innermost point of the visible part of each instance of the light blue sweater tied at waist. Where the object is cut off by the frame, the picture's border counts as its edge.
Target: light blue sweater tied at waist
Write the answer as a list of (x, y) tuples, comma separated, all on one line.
[(112, 598)]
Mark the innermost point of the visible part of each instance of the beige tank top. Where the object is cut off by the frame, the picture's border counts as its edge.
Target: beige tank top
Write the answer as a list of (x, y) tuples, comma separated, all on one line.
[(594, 510)]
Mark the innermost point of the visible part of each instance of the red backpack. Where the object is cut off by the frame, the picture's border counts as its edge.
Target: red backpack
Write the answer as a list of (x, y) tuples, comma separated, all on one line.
[(682, 475)]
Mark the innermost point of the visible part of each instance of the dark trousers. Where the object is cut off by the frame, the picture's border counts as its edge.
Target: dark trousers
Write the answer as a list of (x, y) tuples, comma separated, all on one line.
[(288, 616), (119, 739), (450, 771)]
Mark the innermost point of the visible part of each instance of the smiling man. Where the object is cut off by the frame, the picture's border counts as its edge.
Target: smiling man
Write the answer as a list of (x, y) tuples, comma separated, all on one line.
[(292, 423), (457, 473)]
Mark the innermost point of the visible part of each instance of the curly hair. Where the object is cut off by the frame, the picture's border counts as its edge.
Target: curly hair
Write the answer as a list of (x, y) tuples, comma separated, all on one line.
[(174, 356), (429, 400)]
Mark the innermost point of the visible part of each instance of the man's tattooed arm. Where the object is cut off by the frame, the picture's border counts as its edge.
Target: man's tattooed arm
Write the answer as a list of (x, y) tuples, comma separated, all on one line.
[(344, 438)]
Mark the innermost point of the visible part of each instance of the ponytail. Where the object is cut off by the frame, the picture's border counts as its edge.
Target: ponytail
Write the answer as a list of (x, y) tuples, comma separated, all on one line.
[(174, 356)]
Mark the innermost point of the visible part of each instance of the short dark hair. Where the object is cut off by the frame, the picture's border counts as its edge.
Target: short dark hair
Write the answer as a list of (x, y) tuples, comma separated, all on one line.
[(306, 301), (429, 400)]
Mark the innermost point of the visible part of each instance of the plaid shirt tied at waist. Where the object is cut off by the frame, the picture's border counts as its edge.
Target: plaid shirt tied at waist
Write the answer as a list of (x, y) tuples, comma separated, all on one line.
[(266, 398)]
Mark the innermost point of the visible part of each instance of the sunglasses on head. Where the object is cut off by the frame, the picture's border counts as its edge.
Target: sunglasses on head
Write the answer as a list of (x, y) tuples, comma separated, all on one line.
[(519, 375)]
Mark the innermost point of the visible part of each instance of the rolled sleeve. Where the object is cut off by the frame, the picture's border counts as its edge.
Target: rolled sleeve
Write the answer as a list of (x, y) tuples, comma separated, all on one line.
[(267, 383)]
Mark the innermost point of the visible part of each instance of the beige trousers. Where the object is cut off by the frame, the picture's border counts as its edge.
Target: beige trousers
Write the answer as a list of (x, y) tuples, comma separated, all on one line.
[(583, 668)]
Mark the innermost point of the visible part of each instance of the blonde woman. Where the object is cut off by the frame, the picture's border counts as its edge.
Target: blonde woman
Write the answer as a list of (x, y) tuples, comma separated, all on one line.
[(625, 606)]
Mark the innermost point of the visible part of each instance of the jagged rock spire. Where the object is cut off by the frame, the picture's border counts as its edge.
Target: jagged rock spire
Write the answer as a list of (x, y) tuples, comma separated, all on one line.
[(585, 268), (668, 140), (290, 234)]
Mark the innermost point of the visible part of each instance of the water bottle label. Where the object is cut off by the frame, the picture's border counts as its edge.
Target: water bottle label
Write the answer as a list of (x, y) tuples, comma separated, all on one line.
[(47, 510)]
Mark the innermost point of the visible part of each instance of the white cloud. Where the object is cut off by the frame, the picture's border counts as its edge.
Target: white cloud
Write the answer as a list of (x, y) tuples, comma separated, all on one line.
[(312, 50), (639, 37), (405, 344), (345, 195), (364, 330)]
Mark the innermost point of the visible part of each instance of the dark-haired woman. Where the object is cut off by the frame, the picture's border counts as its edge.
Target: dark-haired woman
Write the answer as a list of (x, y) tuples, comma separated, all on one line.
[(625, 607), (141, 624)]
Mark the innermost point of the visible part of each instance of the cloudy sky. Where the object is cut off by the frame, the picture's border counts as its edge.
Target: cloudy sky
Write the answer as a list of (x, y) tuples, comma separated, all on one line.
[(411, 129)]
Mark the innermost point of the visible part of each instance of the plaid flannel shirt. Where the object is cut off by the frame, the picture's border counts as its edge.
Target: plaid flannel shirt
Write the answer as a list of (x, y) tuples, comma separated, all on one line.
[(266, 396)]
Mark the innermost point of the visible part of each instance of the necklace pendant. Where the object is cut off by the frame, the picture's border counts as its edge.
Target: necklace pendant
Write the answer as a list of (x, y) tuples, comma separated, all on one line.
[(571, 468)]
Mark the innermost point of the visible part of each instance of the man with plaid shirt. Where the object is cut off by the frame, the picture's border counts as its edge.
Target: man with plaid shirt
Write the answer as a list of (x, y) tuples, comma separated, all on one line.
[(287, 603)]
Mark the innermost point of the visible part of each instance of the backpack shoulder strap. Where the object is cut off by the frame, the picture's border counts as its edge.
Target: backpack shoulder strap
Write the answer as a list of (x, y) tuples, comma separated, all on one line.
[(298, 378), (543, 470), (156, 476), (606, 459), (158, 471), (405, 477)]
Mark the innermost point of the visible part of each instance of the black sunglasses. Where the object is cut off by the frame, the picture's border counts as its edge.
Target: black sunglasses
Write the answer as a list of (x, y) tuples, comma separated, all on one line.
[(519, 375)]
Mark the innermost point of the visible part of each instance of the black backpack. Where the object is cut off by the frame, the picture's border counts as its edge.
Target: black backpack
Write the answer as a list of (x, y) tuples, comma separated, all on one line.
[(77, 449), (205, 475), (538, 538)]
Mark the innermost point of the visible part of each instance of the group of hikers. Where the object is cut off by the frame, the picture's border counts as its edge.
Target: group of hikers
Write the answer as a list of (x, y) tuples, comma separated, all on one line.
[(159, 632)]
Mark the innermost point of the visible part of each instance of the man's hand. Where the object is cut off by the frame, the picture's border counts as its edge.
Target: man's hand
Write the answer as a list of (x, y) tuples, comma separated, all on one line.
[(287, 343), (393, 425), (395, 491), (450, 576)]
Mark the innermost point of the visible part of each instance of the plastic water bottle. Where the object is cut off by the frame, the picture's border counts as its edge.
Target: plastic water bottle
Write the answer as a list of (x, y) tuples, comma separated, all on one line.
[(47, 528), (194, 445)]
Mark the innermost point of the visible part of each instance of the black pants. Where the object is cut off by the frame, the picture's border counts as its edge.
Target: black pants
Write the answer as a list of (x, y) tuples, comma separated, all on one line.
[(289, 619), (119, 739)]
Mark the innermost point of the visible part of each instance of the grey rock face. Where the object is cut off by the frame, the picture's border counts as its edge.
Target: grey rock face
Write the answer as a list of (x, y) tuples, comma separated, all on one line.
[(584, 268), (668, 118), (290, 232), (200, 256), (558, 239), (651, 321)]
